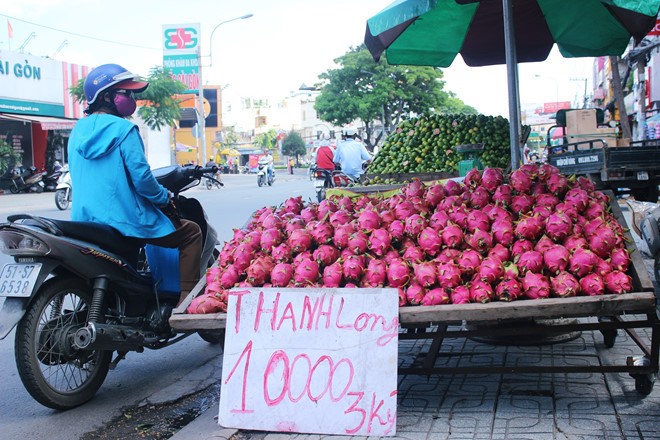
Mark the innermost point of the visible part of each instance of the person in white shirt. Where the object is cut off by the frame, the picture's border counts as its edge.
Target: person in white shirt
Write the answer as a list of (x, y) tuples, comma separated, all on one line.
[(351, 154)]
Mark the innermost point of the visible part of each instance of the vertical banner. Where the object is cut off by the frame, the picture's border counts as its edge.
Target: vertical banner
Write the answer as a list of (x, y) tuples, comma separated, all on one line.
[(181, 45), (320, 361)]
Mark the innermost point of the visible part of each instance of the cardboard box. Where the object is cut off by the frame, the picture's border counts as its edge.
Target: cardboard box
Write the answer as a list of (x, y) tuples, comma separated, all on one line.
[(606, 134), (581, 121)]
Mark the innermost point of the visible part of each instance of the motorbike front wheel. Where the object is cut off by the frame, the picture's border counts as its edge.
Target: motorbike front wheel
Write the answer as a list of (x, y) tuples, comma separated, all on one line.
[(61, 199), (260, 181), (14, 189), (53, 372), (209, 184)]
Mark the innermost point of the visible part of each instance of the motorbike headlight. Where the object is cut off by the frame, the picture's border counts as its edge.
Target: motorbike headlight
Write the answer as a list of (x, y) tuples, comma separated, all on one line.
[(17, 243)]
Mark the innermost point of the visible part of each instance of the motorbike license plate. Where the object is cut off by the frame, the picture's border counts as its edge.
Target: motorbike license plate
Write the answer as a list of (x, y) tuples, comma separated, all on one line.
[(642, 175), (18, 280), (319, 183)]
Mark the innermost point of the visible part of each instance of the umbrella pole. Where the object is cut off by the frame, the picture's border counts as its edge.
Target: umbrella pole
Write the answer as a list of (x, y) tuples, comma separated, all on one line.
[(512, 80)]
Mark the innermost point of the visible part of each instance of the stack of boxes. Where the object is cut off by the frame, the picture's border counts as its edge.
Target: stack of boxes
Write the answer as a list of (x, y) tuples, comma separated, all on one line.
[(581, 126)]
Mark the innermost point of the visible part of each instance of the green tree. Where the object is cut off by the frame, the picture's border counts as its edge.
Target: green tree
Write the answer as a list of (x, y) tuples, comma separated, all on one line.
[(293, 145), (266, 140), (361, 89), (163, 108), (8, 156)]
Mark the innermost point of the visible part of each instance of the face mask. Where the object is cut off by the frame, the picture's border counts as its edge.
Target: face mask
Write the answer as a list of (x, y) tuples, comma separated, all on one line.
[(125, 104)]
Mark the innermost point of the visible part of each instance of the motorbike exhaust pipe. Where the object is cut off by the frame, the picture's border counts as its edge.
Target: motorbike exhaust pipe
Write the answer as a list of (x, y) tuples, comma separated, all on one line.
[(96, 336)]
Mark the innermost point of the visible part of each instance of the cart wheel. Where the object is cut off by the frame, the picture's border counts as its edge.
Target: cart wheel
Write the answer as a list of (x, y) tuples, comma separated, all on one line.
[(213, 336), (609, 337), (644, 383)]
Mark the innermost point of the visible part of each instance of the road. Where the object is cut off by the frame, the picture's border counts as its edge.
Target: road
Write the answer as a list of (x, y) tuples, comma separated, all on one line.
[(142, 375)]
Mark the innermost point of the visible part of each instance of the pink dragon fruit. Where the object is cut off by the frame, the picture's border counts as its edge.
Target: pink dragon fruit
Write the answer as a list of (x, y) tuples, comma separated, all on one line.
[(602, 241), (379, 242), (325, 254), (353, 267), (333, 275), (491, 178), (469, 261), (520, 247), (358, 242), (435, 297), (535, 286), (564, 285), (620, 259), (309, 213), (300, 240), (243, 256), (522, 204), (270, 238), (543, 244), (573, 242), (449, 275), (603, 267), (434, 194), (479, 197), (376, 274), (448, 255), (529, 228), (259, 270), (294, 204), (503, 232), (491, 270), (510, 269), (414, 189), (453, 188), (460, 295), (558, 226), (398, 273), (346, 203), (578, 198), (403, 300), (530, 261), (281, 274), (617, 282), (546, 199), (481, 241), (472, 178), (302, 256), (592, 285), (414, 225), (503, 195), (306, 273), (452, 236), (415, 294), (557, 184), (404, 209), (342, 235), (322, 232), (281, 253), (508, 289), (498, 213), (340, 217), (520, 181), (229, 277), (459, 216), (368, 220), (430, 242), (582, 262), (414, 254), (500, 252), (425, 273), (478, 220), (292, 224), (390, 255), (481, 292), (439, 220), (556, 259), (396, 230)]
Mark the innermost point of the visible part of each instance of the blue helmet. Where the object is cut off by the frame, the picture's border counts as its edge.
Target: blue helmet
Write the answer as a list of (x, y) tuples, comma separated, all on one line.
[(111, 76)]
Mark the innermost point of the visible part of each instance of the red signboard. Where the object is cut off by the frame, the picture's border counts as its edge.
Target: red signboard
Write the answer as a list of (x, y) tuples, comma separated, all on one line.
[(656, 29), (552, 107)]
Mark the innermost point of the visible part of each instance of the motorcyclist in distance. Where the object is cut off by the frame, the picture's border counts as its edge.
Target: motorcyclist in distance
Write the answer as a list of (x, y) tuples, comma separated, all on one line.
[(268, 160), (325, 156), (113, 180), (351, 154)]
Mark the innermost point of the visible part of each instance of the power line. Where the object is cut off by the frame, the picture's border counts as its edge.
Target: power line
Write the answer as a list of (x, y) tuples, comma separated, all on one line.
[(79, 35)]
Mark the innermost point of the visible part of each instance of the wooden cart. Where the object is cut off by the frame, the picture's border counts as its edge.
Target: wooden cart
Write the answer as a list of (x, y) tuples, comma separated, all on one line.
[(627, 312)]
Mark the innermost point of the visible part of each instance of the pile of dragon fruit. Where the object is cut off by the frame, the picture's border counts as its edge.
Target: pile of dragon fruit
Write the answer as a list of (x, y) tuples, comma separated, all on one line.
[(536, 234)]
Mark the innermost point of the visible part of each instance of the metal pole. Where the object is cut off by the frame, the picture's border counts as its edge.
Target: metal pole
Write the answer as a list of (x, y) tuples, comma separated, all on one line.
[(512, 80)]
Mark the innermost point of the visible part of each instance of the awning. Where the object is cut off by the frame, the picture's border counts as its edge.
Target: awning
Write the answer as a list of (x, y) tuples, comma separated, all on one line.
[(46, 122)]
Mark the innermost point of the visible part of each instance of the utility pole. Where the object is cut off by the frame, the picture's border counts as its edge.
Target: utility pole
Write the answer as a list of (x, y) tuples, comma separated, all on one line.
[(617, 87)]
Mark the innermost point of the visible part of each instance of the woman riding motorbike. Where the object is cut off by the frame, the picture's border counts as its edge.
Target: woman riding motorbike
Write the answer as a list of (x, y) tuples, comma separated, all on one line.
[(105, 143)]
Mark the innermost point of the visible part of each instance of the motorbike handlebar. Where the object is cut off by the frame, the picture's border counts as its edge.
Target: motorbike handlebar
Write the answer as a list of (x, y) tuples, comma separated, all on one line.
[(198, 171)]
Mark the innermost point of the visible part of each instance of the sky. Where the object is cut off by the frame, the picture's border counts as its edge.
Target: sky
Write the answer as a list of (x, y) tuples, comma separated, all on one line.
[(286, 43)]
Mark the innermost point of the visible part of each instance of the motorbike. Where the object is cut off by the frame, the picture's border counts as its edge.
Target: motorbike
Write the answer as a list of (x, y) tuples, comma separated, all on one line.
[(213, 180), (263, 177), (51, 180), (311, 171), (26, 180), (77, 292), (64, 190), (326, 179)]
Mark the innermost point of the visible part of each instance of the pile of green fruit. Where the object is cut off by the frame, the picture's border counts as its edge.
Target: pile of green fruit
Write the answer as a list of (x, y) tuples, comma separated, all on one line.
[(428, 144)]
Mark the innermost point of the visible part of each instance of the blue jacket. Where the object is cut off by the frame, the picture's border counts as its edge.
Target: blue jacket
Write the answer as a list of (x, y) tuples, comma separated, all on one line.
[(112, 179)]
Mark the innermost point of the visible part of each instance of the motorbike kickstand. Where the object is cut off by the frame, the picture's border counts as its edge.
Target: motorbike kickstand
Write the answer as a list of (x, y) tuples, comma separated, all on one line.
[(120, 356)]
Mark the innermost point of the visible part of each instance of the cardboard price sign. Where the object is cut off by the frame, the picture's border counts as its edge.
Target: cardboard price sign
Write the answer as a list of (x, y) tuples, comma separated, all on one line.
[(318, 361)]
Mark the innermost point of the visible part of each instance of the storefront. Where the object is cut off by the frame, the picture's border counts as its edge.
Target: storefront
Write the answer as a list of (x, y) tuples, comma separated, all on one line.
[(37, 111)]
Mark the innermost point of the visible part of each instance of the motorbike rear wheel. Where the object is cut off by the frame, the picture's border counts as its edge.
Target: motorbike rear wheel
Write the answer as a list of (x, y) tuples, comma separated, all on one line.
[(14, 189), (61, 199), (53, 372)]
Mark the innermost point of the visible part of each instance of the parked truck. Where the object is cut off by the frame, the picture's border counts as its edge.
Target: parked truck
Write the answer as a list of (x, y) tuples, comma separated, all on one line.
[(593, 150)]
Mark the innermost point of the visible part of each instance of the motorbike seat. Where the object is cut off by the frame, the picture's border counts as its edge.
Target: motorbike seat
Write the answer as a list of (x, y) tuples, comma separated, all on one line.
[(104, 236)]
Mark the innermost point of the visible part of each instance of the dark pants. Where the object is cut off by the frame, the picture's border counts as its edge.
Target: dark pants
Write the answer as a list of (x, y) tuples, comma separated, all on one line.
[(188, 239)]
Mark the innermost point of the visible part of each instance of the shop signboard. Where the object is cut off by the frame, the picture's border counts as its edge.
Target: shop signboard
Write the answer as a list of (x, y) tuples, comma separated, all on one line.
[(320, 361), (181, 45), (18, 134)]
